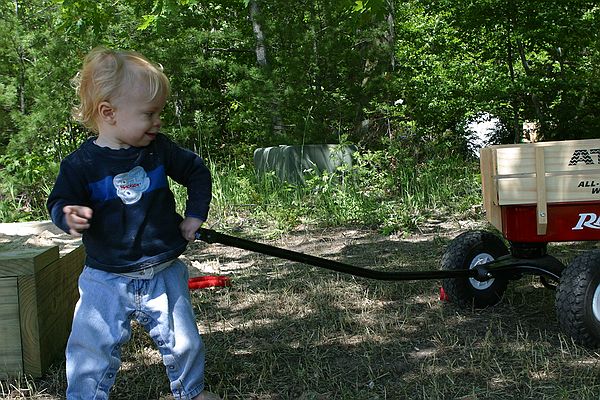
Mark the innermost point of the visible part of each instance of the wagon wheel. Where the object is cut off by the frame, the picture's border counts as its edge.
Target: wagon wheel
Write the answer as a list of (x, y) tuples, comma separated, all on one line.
[(467, 251), (578, 299)]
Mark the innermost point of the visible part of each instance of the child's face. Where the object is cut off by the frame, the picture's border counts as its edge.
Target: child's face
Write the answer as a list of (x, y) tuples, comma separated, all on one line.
[(136, 120)]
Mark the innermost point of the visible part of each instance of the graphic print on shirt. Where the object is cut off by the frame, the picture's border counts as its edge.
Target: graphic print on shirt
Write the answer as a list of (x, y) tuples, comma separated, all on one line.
[(130, 185)]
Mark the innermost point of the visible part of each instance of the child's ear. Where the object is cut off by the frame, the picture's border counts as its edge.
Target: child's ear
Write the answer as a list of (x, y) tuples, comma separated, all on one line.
[(106, 112)]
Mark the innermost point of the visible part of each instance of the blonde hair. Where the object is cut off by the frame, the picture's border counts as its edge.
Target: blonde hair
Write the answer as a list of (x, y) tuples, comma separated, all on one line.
[(107, 74)]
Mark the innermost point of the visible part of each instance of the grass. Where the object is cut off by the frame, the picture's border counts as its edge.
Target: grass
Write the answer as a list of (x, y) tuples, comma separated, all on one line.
[(289, 331), (369, 194)]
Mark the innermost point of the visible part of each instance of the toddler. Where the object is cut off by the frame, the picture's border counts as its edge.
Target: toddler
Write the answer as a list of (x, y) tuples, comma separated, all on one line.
[(114, 191)]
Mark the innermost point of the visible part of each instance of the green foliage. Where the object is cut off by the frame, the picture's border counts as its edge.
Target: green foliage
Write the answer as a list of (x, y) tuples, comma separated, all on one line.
[(547, 59), (398, 78), (26, 184)]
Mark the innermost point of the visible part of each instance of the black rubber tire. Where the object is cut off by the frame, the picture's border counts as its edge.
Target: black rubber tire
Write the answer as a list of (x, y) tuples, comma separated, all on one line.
[(468, 248), (578, 299)]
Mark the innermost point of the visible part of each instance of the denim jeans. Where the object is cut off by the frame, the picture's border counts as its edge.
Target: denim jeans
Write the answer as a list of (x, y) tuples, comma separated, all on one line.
[(102, 323)]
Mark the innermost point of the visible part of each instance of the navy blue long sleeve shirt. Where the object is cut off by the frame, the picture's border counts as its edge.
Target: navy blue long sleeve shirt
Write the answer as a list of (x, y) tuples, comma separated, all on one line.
[(134, 223)]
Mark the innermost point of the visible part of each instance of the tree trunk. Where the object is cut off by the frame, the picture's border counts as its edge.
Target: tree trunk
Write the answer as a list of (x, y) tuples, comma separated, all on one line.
[(391, 35), (21, 84), (261, 59), (534, 99), (261, 50), (514, 101), (21, 80)]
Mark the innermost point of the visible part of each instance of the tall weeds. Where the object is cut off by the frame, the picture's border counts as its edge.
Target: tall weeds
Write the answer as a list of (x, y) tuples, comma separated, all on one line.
[(377, 191), (388, 190)]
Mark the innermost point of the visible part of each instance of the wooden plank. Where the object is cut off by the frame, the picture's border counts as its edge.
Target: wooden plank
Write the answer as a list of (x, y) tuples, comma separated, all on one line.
[(57, 293), (573, 155), (585, 142), (540, 183), (10, 344), (26, 261), (489, 189), (559, 189), (30, 332)]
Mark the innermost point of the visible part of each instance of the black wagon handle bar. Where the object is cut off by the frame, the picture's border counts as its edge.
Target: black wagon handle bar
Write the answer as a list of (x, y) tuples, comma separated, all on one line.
[(211, 236)]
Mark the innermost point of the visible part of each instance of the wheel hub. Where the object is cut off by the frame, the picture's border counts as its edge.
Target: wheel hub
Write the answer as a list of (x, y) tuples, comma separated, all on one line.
[(479, 259), (596, 303)]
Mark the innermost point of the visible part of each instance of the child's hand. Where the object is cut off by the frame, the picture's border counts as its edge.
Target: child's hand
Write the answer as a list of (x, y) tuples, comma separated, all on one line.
[(77, 218), (189, 226)]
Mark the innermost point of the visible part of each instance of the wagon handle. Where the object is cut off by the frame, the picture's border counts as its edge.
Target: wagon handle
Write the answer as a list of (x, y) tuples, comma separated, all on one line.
[(210, 236)]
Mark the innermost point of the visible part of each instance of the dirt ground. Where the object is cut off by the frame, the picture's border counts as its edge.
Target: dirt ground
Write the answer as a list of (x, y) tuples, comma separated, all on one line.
[(35, 234)]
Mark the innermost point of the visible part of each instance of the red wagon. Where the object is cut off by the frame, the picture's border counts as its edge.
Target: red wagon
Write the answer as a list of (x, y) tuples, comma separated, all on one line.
[(535, 194)]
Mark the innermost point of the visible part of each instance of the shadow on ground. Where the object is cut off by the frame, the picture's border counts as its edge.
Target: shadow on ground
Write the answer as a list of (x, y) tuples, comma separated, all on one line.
[(285, 330)]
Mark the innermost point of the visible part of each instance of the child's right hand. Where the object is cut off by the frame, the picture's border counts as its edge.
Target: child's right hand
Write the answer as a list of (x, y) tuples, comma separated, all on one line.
[(77, 218)]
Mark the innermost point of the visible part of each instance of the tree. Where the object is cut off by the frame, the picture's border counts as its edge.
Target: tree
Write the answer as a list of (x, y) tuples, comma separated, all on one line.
[(546, 51)]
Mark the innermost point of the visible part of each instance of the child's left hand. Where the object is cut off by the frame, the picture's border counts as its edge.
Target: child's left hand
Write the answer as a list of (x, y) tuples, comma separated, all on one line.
[(189, 226)]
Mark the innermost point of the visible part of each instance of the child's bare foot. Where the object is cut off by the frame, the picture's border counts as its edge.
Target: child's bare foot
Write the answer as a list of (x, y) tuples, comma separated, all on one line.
[(205, 395)]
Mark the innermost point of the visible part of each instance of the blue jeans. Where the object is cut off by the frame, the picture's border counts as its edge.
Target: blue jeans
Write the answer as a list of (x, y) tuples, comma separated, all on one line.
[(102, 323)]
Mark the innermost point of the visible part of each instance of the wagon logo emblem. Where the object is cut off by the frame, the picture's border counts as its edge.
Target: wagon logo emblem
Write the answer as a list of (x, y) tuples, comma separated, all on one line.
[(585, 156), (587, 220)]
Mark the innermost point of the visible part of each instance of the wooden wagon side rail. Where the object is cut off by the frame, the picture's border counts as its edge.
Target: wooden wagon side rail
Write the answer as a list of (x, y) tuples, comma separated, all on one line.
[(540, 175)]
